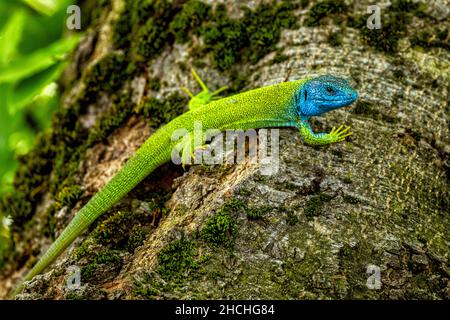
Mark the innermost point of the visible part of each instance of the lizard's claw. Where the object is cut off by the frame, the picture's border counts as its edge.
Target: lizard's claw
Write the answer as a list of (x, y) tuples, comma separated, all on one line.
[(339, 134)]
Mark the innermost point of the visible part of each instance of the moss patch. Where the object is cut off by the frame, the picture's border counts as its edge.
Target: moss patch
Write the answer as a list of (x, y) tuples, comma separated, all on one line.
[(145, 30), (191, 17), (430, 37), (247, 39), (107, 75), (313, 206), (163, 111), (291, 218), (335, 39), (221, 229), (177, 258), (324, 9), (178, 262), (257, 213), (395, 22), (106, 257), (280, 57), (350, 199), (69, 196)]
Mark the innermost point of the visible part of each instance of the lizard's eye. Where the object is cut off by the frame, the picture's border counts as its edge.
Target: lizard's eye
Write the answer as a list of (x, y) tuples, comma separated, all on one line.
[(330, 90)]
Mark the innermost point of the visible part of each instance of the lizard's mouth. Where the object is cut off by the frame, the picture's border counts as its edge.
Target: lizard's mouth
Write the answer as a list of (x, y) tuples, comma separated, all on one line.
[(338, 101)]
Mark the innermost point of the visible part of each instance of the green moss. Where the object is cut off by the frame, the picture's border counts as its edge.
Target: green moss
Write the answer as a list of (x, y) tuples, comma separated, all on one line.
[(249, 38), (221, 229), (49, 226), (84, 250), (107, 75), (72, 295), (313, 206), (239, 81), (257, 213), (405, 5), (136, 238), (163, 111), (263, 27), (94, 10), (106, 257), (6, 249), (151, 39), (192, 15), (430, 37), (323, 9), (18, 206), (123, 230), (178, 263), (177, 258), (233, 206), (335, 39), (394, 26), (120, 111), (123, 27), (384, 39), (350, 199), (280, 57), (291, 218), (224, 38), (69, 196), (353, 260), (357, 21), (30, 181), (348, 179), (144, 27), (33, 176), (154, 84), (114, 229)]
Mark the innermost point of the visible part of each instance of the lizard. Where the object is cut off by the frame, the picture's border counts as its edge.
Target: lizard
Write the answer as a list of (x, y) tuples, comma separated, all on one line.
[(287, 104)]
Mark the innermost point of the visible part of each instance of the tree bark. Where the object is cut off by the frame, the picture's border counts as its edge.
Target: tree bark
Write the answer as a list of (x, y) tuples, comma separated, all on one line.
[(363, 219)]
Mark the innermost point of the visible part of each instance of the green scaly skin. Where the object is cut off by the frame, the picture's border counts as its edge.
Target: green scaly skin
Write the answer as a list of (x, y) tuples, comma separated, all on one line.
[(272, 106)]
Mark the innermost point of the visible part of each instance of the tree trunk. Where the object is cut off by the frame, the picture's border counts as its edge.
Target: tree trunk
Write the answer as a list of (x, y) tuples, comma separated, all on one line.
[(363, 219)]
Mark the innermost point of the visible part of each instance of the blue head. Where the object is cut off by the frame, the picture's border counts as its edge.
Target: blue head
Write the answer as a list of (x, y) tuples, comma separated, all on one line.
[(324, 93)]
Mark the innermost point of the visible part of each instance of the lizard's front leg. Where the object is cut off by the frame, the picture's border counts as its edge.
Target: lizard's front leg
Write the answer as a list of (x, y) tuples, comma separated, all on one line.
[(312, 138), (204, 97)]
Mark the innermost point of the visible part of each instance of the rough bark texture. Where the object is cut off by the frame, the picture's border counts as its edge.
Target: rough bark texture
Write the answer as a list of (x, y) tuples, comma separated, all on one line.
[(227, 231)]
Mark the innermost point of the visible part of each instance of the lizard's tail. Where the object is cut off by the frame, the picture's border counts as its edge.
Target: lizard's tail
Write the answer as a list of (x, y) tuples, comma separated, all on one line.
[(151, 155)]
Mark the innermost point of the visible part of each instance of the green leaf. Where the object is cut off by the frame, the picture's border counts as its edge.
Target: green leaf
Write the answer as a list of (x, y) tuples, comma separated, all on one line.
[(10, 36), (42, 107), (47, 7), (25, 91), (5, 90), (37, 61)]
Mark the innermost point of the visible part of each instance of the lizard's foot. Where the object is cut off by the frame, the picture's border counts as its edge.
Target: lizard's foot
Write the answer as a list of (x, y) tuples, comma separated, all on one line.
[(204, 97), (339, 134), (189, 149), (336, 135), (189, 156)]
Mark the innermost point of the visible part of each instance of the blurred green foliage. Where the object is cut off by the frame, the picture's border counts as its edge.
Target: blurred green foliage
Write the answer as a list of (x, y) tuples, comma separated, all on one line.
[(33, 46)]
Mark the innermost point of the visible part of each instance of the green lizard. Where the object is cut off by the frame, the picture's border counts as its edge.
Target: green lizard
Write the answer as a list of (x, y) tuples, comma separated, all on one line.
[(288, 104)]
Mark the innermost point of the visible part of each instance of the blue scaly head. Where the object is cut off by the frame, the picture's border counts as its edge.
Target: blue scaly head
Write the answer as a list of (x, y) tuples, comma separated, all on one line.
[(325, 93), (320, 95)]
